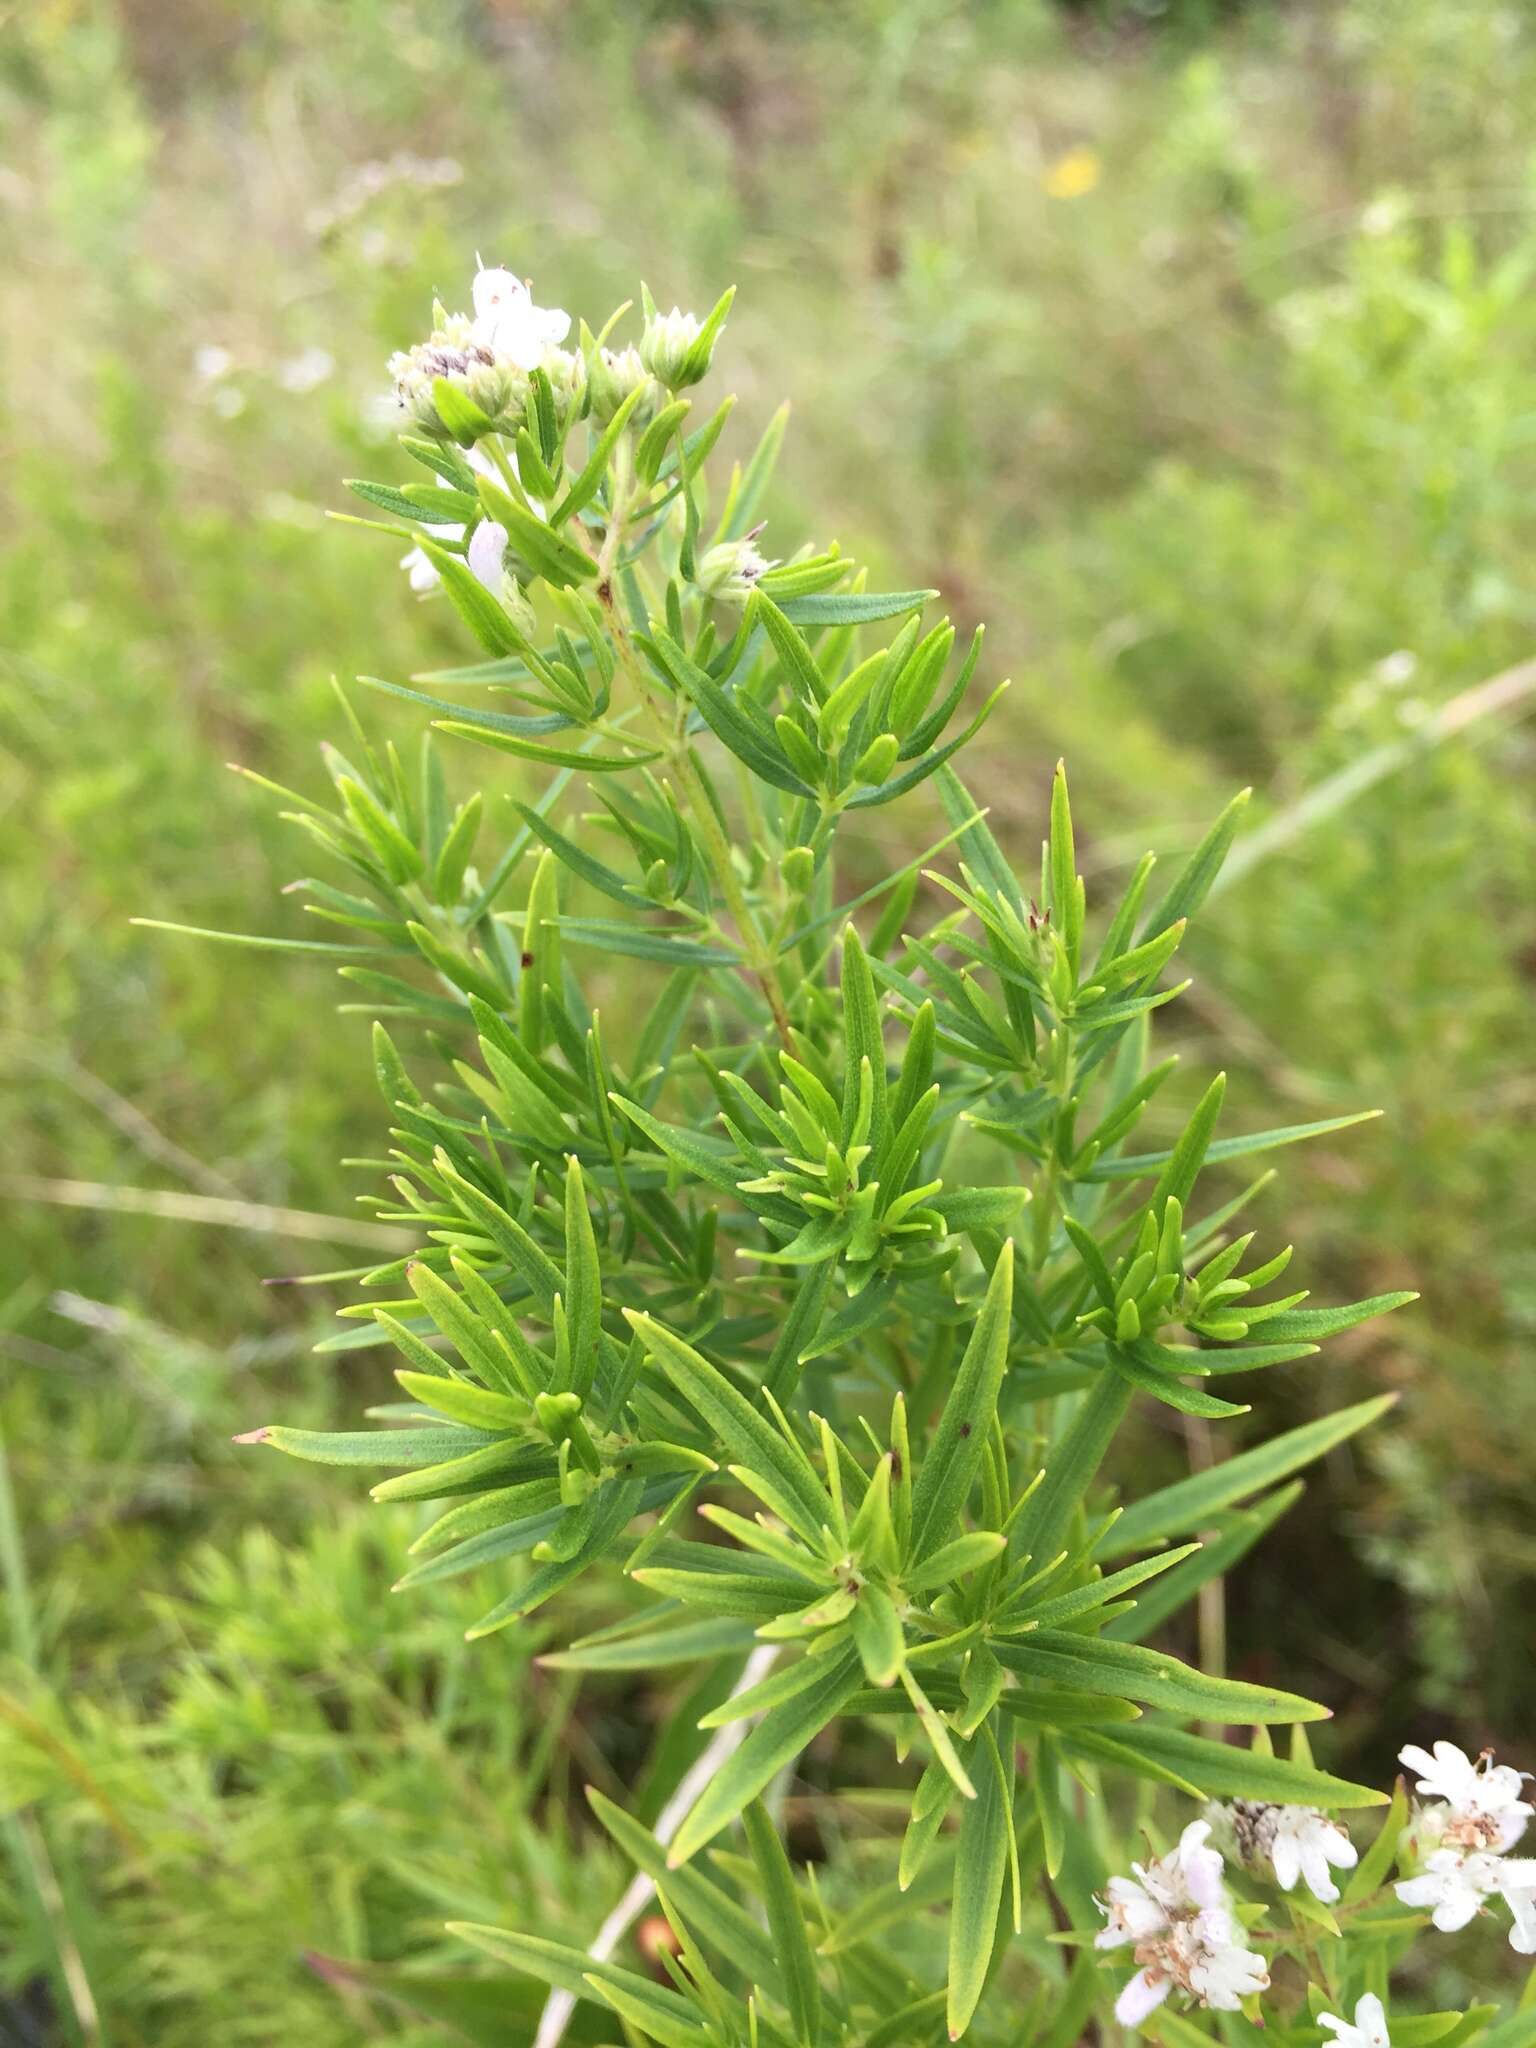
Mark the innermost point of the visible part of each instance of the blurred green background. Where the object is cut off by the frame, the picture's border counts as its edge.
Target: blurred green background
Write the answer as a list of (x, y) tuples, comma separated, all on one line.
[(1191, 345)]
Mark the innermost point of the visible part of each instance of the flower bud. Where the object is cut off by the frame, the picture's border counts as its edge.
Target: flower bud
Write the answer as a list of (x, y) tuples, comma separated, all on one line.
[(613, 375), (877, 759), (567, 374), (666, 345), (730, 570), (798, 868)]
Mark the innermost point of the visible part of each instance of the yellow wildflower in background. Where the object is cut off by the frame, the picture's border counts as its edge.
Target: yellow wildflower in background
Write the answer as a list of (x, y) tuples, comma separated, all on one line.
[(1073, 174)]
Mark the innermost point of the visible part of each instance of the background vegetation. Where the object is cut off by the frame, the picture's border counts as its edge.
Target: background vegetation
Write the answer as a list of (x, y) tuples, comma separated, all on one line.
[(1211, 343)]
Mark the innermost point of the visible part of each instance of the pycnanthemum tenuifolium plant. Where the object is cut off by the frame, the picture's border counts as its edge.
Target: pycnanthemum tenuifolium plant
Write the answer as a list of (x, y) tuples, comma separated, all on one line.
[(806, 1290)]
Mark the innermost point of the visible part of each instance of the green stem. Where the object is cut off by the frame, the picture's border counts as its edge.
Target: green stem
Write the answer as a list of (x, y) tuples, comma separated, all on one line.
[(759, 959)]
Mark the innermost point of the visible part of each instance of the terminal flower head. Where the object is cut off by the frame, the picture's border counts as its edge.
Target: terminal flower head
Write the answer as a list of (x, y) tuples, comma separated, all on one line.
[(729, 571), (1296, 1842), (1174, 1916), (1482, 1810)]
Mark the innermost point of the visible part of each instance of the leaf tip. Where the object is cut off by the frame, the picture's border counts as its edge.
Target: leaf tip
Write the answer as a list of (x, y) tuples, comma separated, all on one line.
[(263, 1435)]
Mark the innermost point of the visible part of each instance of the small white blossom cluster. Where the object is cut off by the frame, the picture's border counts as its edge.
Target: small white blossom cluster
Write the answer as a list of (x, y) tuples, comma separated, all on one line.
[(1295, 1841), (370, 181), (1461, 1844), (730, 570), (488, 355), (1176, 1918)]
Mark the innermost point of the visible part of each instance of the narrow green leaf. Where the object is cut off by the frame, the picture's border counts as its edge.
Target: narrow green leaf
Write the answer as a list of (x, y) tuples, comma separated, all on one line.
[(786, 1923), (1222, 1770), (1187, 1506), (777, 1740), (1133, 1672), (747, 1436), (981, 1866), (954, 1455)]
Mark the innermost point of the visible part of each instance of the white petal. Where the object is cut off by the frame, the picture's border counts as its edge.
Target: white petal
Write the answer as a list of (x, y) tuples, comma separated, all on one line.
[(420, 569), (1285, 1854), (1314, 1866), (1511, 1822), (1339, 1849), (1201, 1866), (1345, 2036), (487, 546), (1143, 1995), (495, 290), (1456, 1909), (1522, 1936), (1371, 2021)]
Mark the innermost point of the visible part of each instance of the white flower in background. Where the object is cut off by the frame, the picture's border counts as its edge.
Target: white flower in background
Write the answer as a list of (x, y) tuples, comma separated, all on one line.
[(212, 362), (1460, 1845), (1369, 2029), (421, 569), (1296, 1841), (510, 325), (1483, 1807), (307, 370), (1174, 1916)]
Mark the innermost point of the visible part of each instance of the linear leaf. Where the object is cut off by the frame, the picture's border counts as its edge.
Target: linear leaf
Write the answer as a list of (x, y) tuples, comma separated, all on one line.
[(1133, 1672), (1137, 1164), (1187, 1506), (954, 1456), (791, 1949), (1221, 1770), (777, 1740), (981, 1866), (746, 1435)]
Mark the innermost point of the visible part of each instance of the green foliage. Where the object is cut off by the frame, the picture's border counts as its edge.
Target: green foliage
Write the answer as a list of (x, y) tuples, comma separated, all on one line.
[(1208, 441), (617, 1325)]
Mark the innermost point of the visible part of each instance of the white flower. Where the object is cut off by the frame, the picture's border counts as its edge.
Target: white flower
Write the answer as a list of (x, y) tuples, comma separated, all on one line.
[(1297, 1841), (305, 371), (730, 570), (1520, 1897), (421, 569), (1225, 1973), (1454, 1883), (1369, 2029), (487, 547), (1483, 1808), (1173, 1913), (212, 362), (419, 566), (510, 325)]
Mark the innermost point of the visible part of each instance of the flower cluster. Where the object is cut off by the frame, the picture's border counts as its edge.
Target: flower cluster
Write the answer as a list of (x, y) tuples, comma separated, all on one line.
[(488, 355), (1460, 1845), (1175, 1916), (1295, 1841)]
